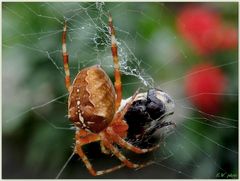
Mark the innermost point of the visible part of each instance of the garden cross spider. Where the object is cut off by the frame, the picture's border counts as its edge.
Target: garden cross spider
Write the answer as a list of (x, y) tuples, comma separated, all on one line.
[(93, 107)]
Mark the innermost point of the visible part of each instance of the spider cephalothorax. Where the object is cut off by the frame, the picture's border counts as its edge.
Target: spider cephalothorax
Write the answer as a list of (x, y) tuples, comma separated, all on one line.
[(93, 107)]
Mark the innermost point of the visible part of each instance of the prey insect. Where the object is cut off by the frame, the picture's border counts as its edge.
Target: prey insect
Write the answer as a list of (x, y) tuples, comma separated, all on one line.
[(148, 118), (94, 108)]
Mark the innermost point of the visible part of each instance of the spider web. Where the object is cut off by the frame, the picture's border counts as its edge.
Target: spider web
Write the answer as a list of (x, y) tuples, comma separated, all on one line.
[(35, 126)]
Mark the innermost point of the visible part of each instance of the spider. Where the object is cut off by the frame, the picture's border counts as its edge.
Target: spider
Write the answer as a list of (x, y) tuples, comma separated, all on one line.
[(93, 107)]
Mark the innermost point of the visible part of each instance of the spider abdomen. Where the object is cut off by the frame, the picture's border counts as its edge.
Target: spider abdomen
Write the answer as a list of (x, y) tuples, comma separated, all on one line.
[(91, 100)]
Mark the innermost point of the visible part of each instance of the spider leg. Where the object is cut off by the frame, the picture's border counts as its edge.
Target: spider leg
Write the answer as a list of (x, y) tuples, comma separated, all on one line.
[(118, 122), (117, 74), (119, 155), (104, 149), (120, 141), (127, 105), (82, 140), (65, 58)]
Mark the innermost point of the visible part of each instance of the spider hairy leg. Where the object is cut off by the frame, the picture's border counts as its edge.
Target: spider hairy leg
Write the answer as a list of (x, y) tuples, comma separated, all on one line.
[(119, 155), (104, 149), (82, 140), (117, 74), (89, 165), (118, 124), (121, 142), (65, 58)]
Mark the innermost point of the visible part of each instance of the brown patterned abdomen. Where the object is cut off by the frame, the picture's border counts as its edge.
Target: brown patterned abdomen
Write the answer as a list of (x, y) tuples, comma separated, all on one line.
[(91, 100)]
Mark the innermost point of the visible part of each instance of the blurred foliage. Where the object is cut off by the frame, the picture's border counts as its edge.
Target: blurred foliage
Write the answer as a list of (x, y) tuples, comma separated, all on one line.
[(37, 139)]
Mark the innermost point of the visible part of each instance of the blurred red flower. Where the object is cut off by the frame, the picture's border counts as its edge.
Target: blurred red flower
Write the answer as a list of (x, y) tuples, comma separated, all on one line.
[(204, 29), (205, 85), (230, 38)]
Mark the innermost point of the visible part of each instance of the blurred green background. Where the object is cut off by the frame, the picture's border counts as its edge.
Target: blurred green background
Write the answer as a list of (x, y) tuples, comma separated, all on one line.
[(37, 138)]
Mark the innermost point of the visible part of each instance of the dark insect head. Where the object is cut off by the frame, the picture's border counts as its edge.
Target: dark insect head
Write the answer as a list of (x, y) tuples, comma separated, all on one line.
[(155, 107)]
